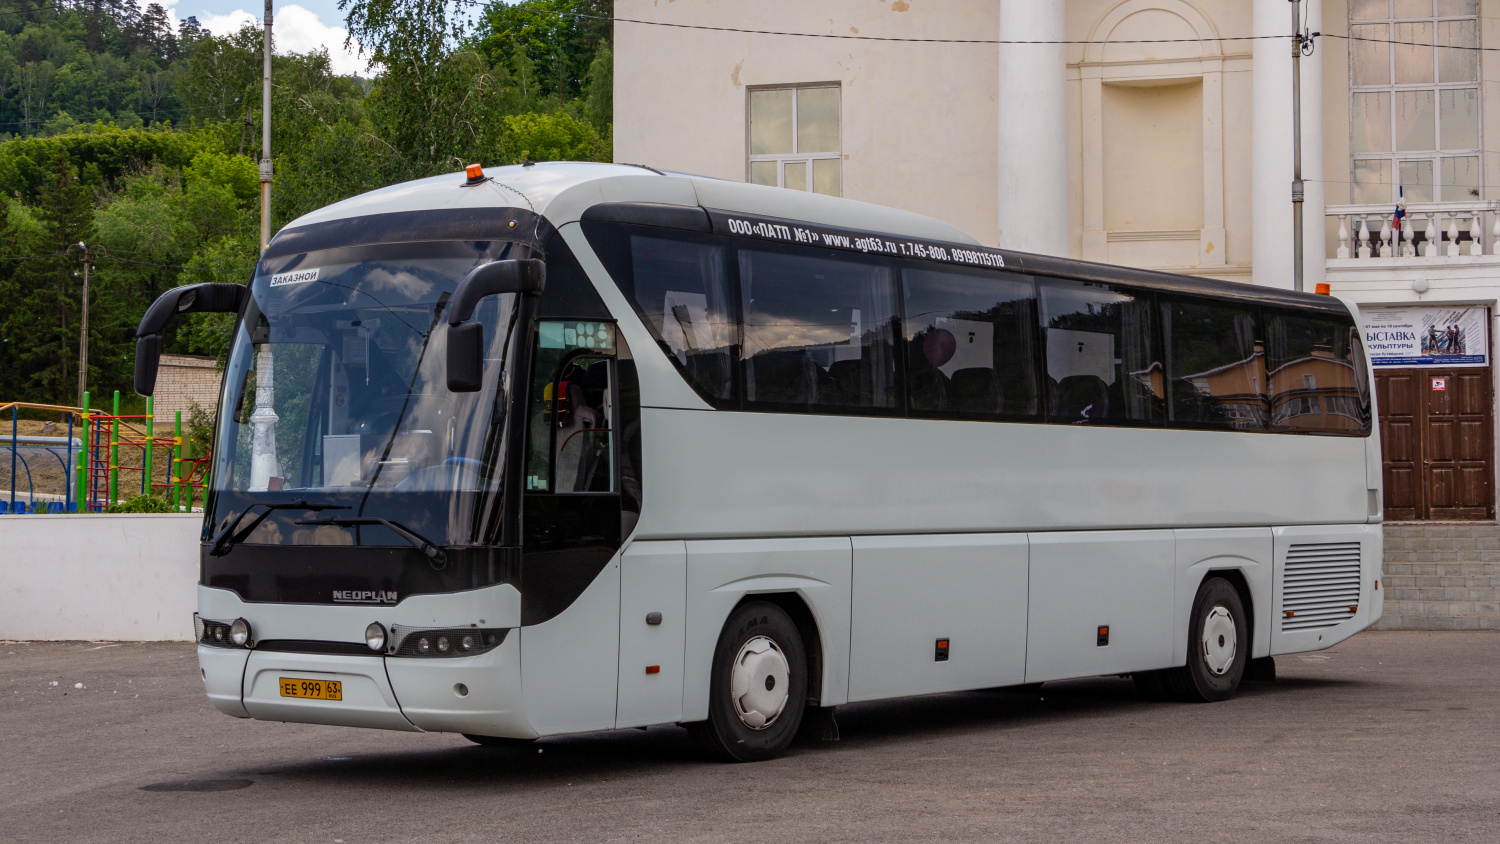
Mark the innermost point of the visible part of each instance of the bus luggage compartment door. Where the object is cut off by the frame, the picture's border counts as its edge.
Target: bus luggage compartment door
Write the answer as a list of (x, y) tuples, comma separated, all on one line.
[(910, 592)]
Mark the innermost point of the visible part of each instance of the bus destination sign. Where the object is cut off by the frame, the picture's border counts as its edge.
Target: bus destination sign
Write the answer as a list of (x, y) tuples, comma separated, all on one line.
[(853, 241)]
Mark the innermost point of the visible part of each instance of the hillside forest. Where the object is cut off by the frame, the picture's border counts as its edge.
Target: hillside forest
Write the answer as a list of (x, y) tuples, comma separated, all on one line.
[(141, 141)]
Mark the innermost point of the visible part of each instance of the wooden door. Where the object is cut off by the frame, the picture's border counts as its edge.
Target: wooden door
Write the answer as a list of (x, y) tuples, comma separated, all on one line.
[(1436, 429)]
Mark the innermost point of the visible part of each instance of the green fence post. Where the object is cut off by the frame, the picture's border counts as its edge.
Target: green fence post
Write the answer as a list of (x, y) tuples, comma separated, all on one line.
[(114, 453), (177, 463), (85, 458), (150, 444)]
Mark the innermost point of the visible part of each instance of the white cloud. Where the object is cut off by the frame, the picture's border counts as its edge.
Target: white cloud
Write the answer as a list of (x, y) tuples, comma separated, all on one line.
[(297, 30)]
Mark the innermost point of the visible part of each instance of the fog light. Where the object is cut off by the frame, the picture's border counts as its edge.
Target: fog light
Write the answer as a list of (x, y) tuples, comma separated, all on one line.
[(467, 643), (198, 628), (443, 646), (218, 633), (239, 632), (375, 636), (424, 646)]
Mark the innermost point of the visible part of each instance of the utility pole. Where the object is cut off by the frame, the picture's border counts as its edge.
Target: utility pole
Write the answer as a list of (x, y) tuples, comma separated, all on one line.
[(83, 333), (265, 140), (263, 462), (1302, 44)]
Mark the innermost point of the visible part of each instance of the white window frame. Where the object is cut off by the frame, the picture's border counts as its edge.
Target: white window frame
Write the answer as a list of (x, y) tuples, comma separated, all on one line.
[(1394, 157), (782, 159)]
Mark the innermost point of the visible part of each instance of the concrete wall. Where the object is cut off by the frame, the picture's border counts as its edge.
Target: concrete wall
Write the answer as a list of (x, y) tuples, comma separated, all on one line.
[(99, 577)]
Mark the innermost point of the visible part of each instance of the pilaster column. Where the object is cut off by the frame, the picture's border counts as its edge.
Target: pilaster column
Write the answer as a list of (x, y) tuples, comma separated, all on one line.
[(1033, 128), (1271, 143)]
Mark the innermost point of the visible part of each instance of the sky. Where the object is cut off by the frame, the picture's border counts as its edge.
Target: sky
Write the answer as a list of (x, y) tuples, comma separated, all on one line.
[(299, 27)]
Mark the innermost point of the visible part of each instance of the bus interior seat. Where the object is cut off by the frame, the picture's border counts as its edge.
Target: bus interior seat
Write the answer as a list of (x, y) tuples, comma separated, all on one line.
[(929, 386), (574, 454), (1081, 398), (976, 390), (845, 385), (786, 377)]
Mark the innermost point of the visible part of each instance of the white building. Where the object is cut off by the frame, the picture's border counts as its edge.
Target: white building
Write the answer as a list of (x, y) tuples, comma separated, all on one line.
[(1159, 134)]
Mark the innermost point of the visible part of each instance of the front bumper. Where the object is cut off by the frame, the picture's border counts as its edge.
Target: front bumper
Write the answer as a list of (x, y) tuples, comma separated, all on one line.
[(478, 694)]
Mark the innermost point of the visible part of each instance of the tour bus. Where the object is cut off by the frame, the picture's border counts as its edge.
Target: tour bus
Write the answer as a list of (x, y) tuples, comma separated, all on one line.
[(562, 447)]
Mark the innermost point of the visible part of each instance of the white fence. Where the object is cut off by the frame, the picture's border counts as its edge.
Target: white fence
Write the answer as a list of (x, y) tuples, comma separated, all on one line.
[(99, 577)]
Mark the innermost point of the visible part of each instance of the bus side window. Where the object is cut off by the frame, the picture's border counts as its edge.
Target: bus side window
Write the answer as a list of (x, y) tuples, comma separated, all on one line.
[(1101, 360), (819, 333), (1216, 370), (969, 343), (1311, 367), (678, 282)]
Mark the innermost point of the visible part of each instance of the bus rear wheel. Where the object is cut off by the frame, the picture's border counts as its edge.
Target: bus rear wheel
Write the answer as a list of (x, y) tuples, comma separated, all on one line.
[(758, 689), (1218, 649)]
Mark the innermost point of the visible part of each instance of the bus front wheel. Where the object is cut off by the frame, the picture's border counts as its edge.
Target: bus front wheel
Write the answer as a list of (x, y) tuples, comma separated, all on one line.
[(1218, 649), (758, 689)]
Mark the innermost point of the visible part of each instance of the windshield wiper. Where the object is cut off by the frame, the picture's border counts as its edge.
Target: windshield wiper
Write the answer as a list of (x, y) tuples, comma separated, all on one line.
[(435, 556), (223, 541)]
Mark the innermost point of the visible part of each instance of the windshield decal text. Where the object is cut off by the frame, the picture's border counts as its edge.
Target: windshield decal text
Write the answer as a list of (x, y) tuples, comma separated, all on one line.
[(294, 277)]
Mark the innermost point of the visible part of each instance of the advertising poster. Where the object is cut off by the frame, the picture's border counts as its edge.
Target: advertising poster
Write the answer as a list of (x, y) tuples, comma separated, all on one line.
[(1427, 337)]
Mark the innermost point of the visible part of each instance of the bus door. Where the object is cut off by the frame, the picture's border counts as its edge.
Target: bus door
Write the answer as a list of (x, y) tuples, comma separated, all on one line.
[(571, 528)]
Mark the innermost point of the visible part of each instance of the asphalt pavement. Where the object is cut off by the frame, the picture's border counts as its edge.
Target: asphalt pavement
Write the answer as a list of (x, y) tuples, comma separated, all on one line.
[(1391, 736)]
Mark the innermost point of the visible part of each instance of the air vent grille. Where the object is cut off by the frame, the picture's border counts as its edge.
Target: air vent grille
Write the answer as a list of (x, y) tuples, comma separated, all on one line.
[(1321, 585)]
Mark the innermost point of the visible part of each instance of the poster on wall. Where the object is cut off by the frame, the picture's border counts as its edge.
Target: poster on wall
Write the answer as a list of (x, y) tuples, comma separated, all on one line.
[(1427, 337)]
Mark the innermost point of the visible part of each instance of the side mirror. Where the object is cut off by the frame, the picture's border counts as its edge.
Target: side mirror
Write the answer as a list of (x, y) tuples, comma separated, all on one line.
[(526, 276), (192, 298)]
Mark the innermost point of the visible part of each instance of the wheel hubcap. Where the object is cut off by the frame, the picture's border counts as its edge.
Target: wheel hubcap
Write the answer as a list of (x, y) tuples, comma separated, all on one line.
[(1218, 640), (758, 683)]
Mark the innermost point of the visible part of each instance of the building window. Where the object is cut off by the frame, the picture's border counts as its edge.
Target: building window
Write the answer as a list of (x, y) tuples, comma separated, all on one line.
[(1414, 107), (794, 138)]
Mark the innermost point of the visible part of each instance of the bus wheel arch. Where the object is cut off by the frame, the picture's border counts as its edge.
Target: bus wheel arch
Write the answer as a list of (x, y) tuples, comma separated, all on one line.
[(1237, 579), (797, 607), (758, 685)]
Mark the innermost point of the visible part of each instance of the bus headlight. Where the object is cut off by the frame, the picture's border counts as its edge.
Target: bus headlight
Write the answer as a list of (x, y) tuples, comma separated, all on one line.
[(239, 632), (375, 636)]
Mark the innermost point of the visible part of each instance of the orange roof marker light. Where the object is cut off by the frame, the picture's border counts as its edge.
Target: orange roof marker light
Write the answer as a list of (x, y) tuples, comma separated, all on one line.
[(1323, 289), (475, 172)]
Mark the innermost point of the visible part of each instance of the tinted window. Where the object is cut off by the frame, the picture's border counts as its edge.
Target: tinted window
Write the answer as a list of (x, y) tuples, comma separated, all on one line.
[(679, 284), (1315, 368), (1101, 365), (969, 343), (1216, 371), (819, 333)]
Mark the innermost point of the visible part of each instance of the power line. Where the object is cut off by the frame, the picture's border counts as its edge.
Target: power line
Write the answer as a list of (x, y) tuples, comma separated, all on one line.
[(996, 41)]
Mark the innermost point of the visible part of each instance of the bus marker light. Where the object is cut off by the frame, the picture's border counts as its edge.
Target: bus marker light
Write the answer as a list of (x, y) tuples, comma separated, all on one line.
[(653, 669), (1102, 639), (1323, 289), (942, 651), (475, 174), (1289, 613)]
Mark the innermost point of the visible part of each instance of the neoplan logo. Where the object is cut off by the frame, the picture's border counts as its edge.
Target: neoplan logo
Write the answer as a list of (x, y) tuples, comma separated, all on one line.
[(359, 596)]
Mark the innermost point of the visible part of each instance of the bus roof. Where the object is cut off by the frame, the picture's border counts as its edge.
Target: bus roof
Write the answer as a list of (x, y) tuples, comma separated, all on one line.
[(561, 191)]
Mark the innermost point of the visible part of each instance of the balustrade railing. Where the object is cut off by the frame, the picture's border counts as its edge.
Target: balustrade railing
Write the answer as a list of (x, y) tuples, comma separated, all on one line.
[(1428, 230)]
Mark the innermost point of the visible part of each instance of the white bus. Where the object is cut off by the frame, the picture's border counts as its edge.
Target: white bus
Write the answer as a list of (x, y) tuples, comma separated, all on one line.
[(560, 448)]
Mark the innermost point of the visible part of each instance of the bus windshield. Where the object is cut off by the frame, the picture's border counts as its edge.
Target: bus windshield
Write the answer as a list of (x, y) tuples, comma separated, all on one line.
[(335, 394)]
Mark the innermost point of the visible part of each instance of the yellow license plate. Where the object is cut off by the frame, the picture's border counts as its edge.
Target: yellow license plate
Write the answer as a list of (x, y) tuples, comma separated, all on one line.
[(315, 689)]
